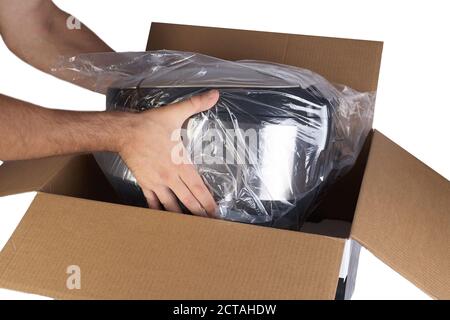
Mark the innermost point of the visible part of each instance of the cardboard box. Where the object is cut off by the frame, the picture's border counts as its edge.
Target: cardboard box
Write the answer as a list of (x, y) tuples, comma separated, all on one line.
[(391, 203)]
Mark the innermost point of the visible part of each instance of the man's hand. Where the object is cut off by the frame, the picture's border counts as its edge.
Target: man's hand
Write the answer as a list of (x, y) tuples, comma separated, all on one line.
[(144, 141), (148, 154)]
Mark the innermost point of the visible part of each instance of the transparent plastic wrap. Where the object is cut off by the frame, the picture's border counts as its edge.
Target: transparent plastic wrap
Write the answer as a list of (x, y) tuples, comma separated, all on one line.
[(277, 137)]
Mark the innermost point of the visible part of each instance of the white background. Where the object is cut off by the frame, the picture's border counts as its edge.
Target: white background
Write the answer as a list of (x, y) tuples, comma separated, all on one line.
[(412, 101)]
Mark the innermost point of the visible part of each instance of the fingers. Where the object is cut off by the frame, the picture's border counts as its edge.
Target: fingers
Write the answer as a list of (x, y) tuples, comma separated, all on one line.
[(189, 188), (152, 200), (188, 199), (196, 186), (195, 104), (163, 196), (167, 199), (155, 146)]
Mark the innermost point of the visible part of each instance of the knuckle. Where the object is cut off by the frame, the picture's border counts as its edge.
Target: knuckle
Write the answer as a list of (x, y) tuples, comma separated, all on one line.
[(163, 175), (165, 203), (198, 188), (191, 204), (146, 186), (148, 193)]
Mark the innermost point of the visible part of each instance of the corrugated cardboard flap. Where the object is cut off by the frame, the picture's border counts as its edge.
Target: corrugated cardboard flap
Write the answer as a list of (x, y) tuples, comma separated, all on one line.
[(29, 175), (126, 252), (403, 216), (355, 63), (76, 175)]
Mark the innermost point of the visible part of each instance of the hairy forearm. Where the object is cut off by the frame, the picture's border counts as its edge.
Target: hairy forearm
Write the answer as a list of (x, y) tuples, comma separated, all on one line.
[(29, 131)]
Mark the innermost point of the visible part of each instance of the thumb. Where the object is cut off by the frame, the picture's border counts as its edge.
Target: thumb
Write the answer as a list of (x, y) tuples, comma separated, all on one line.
[(195, 104)]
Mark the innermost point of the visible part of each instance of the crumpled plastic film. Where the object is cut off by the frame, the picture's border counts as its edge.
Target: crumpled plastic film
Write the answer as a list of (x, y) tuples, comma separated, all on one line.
[(278, 136)]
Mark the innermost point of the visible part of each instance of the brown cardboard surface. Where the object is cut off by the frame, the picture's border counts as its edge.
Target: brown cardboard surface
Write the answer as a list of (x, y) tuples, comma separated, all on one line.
[(126, 252), (29, 175), (76, 175), (403, 216), (81, 178), (355, 63)]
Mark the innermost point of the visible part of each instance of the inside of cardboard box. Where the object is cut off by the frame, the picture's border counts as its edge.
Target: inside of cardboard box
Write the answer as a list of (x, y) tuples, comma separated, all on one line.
[(82, 178), (334, 214)]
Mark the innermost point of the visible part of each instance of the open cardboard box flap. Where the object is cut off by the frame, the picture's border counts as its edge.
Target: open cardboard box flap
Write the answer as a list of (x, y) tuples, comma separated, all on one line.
[(65, 175), (25, 176), (403, 216), (402, 213)]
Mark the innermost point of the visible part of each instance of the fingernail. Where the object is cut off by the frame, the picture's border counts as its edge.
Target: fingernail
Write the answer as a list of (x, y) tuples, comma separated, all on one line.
[(212, 94)]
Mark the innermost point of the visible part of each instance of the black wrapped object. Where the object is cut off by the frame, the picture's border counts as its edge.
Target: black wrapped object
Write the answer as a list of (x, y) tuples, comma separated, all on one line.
[(276, 138)]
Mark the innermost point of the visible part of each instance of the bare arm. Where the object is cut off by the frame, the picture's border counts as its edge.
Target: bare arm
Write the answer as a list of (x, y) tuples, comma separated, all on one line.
[(29, 131), (36, 31), (144, 141)]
